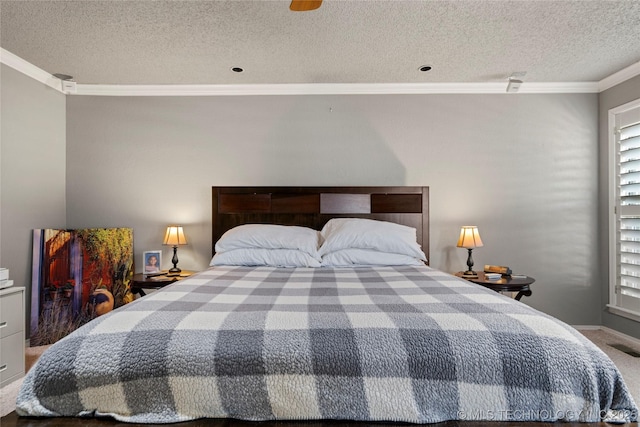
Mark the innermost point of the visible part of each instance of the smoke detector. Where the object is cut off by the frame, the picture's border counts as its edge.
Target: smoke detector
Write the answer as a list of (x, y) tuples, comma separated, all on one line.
[(515, 80), (67, 83)]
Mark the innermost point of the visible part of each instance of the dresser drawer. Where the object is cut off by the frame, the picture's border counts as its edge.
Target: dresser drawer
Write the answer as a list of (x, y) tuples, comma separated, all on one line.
[(11, 358), (11, 314)]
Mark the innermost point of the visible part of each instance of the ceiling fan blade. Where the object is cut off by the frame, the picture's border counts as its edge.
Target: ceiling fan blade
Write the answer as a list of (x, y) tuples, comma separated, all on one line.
[(304, 5)]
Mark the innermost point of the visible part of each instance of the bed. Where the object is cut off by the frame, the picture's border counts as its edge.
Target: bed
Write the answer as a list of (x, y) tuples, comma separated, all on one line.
[(327, 334)]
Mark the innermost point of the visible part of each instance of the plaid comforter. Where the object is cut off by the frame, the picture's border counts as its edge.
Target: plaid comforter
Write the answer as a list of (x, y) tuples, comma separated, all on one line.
[(390, 344)]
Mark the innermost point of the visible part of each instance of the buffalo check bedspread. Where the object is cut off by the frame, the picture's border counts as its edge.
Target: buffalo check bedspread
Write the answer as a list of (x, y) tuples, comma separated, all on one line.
[(393, 344)]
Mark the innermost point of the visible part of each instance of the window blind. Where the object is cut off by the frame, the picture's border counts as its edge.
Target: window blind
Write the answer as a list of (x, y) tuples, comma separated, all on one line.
[(628, 224)]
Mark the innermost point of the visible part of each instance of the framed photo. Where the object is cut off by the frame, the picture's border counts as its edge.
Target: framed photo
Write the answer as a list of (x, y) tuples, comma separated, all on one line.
[(152, 262)]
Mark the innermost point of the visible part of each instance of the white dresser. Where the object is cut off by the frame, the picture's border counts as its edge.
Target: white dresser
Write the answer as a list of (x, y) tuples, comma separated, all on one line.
[(12, 339)]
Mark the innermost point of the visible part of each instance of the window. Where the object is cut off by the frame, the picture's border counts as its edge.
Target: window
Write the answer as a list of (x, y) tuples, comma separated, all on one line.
[(624, 231)]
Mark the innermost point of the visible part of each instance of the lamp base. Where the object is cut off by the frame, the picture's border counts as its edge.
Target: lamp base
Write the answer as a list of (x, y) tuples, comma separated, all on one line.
[(174, 261), (470, 274)]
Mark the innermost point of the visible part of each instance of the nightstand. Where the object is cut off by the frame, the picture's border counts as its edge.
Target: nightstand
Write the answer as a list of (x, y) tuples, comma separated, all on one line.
[(504, 284), (140, 281), (11, 334)]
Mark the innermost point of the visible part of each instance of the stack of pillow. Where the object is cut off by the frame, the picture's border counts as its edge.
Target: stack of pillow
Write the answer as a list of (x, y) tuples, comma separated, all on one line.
[(342, 242), (268, 244)]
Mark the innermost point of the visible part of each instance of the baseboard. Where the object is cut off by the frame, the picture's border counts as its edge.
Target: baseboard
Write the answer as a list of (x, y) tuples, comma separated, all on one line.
[(621, 335), (608, 330), (587, 327)]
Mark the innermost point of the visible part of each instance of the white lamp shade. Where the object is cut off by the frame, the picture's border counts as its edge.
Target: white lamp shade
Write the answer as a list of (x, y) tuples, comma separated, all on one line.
[(469, 237), (175, 236)]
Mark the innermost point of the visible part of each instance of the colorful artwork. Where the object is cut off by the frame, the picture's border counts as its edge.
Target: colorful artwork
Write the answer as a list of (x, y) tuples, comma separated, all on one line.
[(77, 275)]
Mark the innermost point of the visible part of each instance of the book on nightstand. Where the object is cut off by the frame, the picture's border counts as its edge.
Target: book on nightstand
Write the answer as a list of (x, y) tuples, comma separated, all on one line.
[(4, 278), (497, 269)]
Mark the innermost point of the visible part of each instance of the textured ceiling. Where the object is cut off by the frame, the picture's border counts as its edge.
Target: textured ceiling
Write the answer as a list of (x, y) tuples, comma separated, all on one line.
[(365, 41)]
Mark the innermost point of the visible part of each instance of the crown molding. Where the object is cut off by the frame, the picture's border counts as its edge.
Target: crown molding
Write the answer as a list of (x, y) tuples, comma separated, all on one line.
[(619, 77), (559, 87), (30, 70), (44, 77), (330, 89)]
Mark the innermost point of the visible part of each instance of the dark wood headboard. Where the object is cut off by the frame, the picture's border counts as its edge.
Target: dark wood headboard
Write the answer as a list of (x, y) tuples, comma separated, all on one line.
[(314, 206)]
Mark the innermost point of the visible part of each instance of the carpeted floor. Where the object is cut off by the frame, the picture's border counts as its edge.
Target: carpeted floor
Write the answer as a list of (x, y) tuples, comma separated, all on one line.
[(628, 365)]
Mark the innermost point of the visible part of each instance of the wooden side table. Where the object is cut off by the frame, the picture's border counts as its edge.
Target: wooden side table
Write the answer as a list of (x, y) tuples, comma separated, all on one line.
[(140, 281), (504, 284)]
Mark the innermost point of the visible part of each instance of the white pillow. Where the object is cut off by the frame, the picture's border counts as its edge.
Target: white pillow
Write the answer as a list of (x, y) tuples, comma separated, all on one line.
[(381, 236), (265, 257), (270, 236), (366, 257)]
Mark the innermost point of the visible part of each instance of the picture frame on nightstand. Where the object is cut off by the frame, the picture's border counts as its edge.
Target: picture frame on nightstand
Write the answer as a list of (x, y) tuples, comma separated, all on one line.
[(152, 262)]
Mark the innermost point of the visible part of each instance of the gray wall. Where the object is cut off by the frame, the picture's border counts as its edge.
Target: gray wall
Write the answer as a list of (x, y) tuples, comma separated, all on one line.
[(618, 95), (32, 168), (521, 167)]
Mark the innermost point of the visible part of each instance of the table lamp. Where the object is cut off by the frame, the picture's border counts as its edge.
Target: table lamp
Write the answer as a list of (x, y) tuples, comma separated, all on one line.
[(175, 237), (469, 239)]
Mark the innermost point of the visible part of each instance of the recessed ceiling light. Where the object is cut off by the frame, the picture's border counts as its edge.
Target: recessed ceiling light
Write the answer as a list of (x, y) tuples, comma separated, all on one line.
[(237, 69), (425, 68)]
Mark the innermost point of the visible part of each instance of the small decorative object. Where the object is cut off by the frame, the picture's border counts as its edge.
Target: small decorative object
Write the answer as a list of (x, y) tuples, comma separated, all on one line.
[(152, 261), (469, 239), (175, 237)]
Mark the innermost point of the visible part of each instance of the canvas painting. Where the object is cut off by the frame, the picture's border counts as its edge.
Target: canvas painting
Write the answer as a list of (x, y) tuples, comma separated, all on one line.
[(77, 275)]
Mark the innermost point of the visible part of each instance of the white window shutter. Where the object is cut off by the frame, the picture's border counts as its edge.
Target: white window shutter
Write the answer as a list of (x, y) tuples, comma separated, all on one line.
[(627, 286)]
